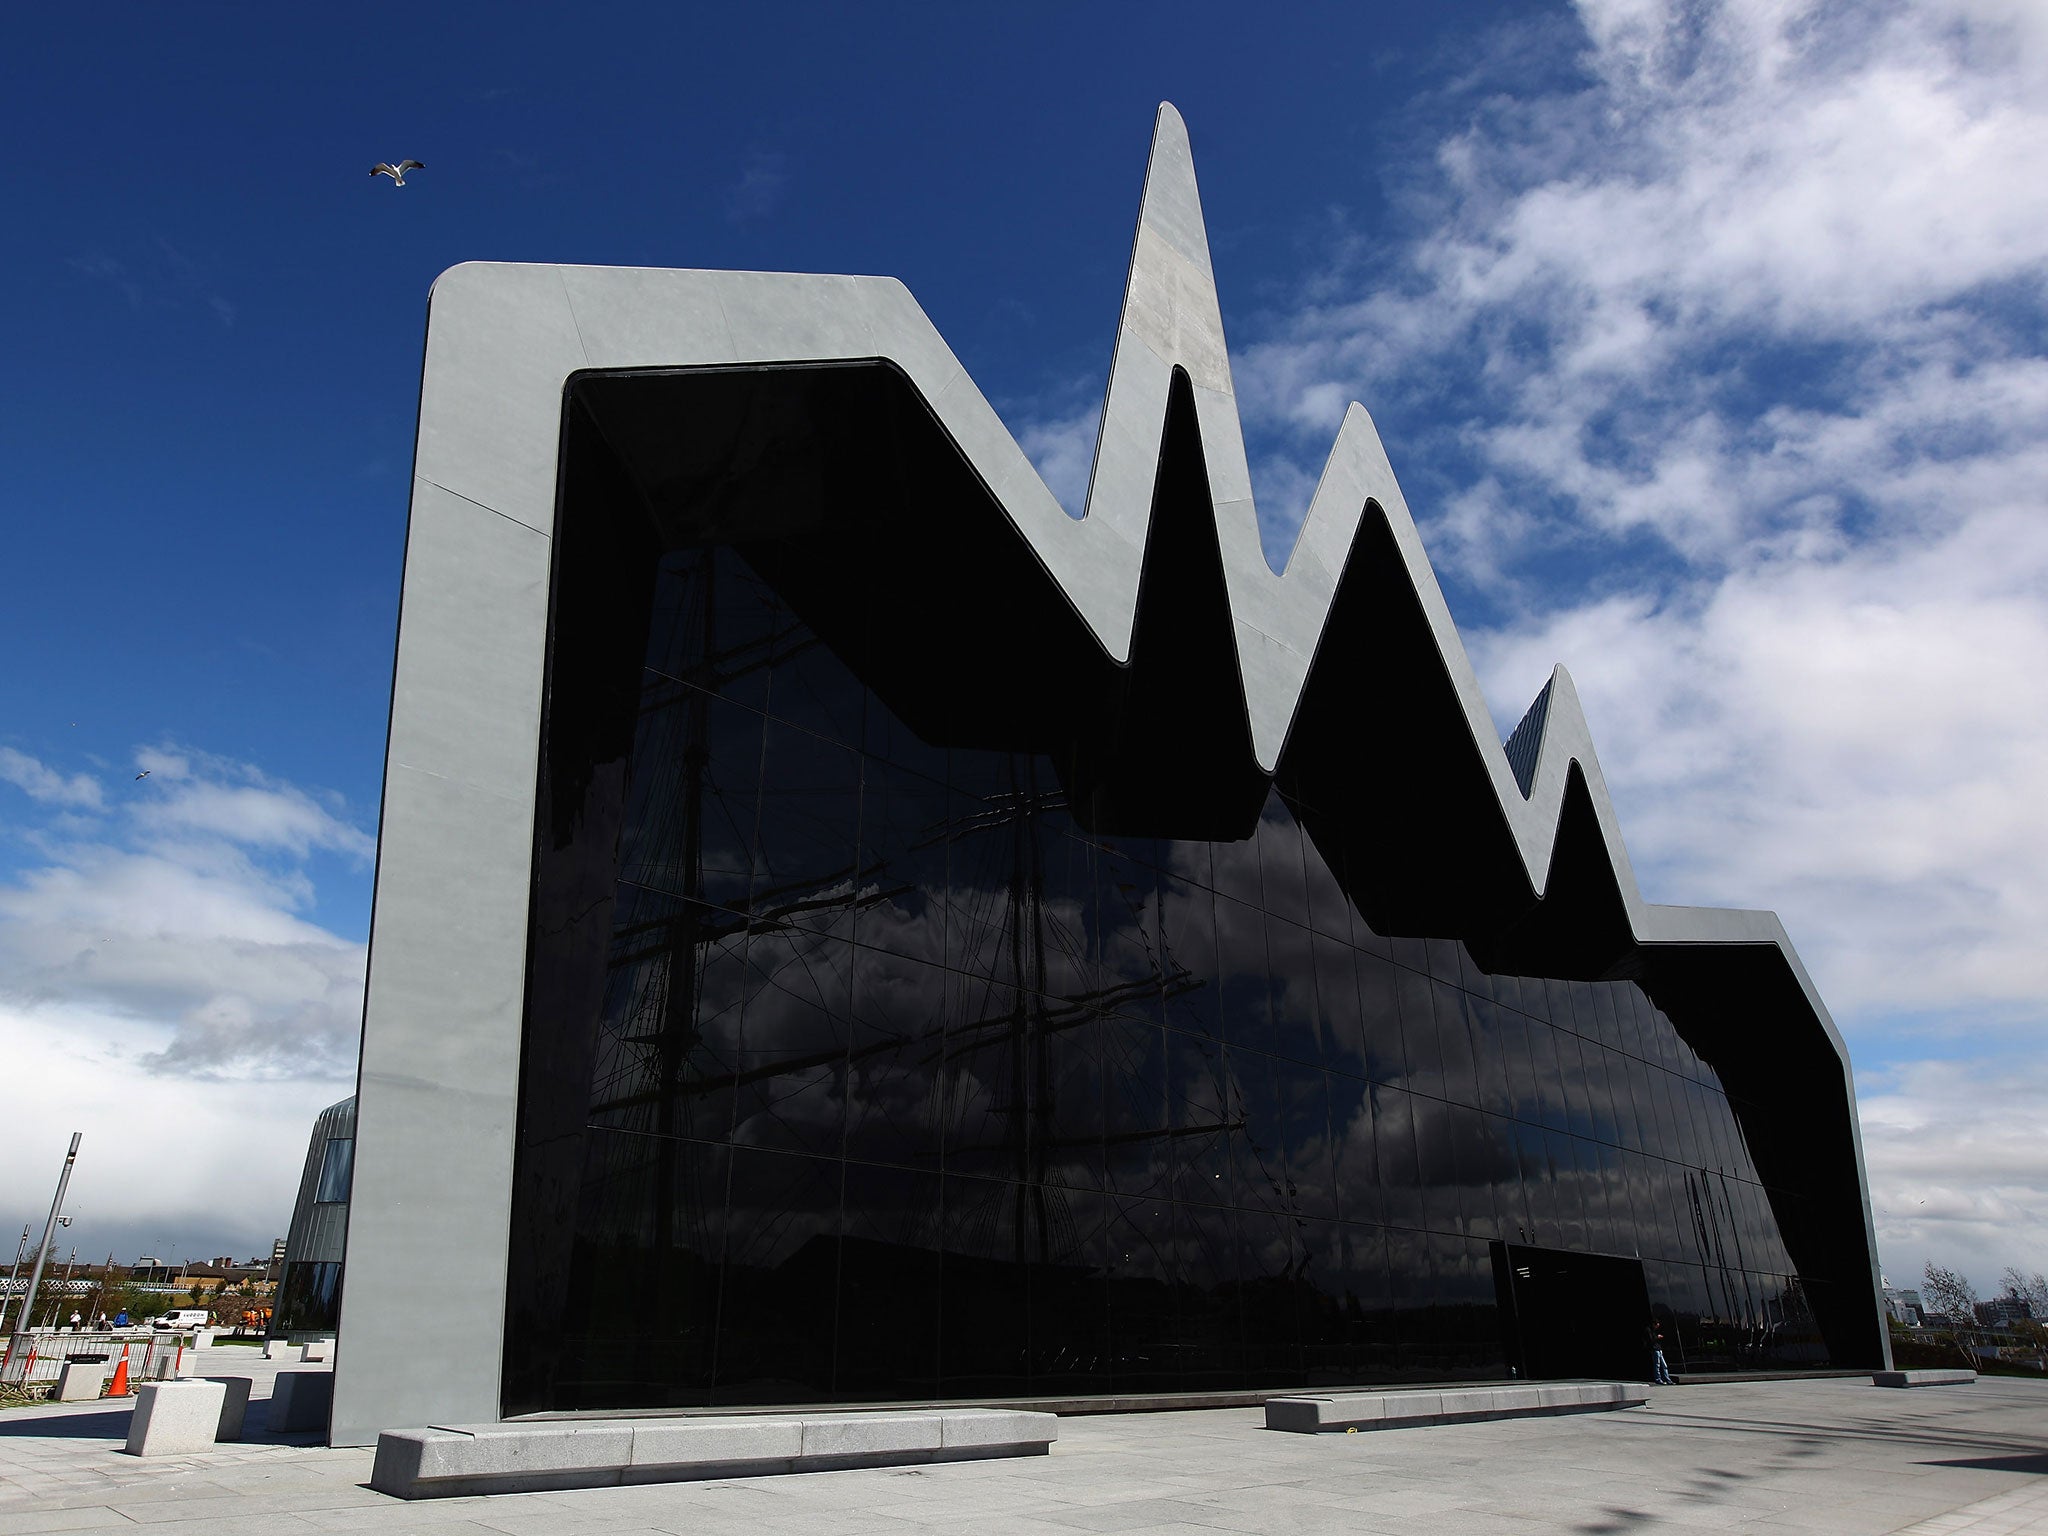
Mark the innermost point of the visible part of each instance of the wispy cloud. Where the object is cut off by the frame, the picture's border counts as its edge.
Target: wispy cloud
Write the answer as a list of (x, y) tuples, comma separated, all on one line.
[(1062, 448), (240, 804), (109, 270), (45, 784), (158, 273), (763, 178)]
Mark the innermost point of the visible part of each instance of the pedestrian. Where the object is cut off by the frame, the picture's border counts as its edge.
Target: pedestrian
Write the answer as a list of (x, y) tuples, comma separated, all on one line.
[(1653, 1337)]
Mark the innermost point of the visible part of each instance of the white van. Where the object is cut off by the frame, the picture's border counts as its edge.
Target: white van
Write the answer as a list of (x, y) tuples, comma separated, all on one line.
[(184, 1317)]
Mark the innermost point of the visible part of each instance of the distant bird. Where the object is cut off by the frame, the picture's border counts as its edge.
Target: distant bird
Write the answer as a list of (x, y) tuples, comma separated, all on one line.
[(143, 775), (397, 172)]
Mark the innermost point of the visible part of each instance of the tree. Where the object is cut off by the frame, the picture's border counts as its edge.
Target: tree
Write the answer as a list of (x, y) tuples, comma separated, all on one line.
[(1945, 1291), (2033, 1290)]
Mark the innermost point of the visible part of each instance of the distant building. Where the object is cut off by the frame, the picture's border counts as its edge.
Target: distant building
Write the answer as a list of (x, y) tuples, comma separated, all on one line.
[(2004, 1311), (253, 1278)]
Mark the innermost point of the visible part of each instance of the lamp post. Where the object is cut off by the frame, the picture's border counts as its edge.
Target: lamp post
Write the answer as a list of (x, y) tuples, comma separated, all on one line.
[(57, 1302), (35, 1278)]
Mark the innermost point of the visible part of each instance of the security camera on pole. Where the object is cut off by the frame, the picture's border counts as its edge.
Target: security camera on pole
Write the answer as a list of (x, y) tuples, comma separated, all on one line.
[(16, 1343)]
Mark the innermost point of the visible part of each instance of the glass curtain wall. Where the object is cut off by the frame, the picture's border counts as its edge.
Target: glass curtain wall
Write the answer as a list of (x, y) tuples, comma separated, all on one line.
[(903, 1086)]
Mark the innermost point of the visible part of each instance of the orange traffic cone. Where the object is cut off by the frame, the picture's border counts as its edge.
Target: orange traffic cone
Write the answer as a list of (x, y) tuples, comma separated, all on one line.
[(120, 1386)]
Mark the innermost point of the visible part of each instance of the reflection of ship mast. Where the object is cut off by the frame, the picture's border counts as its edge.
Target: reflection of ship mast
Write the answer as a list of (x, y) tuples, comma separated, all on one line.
[(1707, 1235), (660, 961), (1037, 1014)]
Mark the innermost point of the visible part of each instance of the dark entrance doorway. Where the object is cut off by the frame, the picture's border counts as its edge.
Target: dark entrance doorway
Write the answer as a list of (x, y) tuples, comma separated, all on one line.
[(1572, 1314)]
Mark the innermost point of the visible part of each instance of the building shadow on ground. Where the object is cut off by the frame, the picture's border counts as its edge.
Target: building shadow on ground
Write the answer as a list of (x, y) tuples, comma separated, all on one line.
[(2035, 1465), (111, 1424)]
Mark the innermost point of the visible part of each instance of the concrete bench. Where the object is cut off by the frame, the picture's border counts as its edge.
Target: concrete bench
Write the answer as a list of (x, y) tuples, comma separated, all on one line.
[(529, 1455), (1317, 1414), (1957, 1378)]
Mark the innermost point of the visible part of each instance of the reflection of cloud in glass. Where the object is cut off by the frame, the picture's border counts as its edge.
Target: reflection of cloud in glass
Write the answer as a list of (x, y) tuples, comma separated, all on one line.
[(904, 1025)]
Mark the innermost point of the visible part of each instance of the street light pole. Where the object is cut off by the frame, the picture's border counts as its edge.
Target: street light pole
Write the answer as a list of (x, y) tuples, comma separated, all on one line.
[(35, 1279)]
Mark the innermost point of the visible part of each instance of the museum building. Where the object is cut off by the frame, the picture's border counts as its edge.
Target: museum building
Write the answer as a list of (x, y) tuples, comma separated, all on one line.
[(849, 932)]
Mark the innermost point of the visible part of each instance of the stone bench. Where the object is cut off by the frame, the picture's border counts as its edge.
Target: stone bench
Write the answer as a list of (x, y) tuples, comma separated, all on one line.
[(1956, 1378), (529, 1455), (1317, 1414)]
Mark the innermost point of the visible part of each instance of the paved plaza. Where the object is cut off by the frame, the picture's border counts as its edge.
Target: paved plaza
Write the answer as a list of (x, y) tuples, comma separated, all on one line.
[(1829, 1456)]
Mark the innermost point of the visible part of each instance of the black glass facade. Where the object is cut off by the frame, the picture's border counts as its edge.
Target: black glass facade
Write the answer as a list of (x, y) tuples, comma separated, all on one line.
[(863, 1064)]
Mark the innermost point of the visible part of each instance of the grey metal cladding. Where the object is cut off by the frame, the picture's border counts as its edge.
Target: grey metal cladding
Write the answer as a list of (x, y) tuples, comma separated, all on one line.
[(318, 1229), (440, 1059)]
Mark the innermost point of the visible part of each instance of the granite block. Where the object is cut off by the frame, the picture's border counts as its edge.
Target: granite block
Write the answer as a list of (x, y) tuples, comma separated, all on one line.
[(174, 1418)]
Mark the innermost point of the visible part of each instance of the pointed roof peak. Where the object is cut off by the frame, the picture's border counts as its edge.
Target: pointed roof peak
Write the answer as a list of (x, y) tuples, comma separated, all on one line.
[(1172, 206)]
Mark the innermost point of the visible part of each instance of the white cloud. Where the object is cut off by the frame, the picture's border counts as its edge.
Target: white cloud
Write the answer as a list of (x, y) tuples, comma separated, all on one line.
[(1748, 426), (1956, 1174), (1062, 449), (164, 990), (214, 797), (187, 917), (165, 1167), (45, 784)]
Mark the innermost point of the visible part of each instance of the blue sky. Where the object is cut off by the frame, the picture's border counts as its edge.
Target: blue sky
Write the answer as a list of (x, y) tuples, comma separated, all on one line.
[(1708, 341)]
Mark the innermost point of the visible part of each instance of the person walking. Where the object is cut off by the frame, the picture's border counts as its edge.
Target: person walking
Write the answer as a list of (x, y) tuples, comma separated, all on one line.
[(1653, 1337)]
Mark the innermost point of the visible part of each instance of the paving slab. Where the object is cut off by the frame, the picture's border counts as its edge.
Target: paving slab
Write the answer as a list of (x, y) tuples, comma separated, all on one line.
[(1816, 1456)]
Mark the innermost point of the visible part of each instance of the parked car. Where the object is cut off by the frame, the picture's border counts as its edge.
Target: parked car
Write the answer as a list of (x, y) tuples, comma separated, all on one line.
[(183, 1317)]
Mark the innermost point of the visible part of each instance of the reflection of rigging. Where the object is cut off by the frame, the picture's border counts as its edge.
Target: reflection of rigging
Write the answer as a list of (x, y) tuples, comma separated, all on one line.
[(1706, 1212), (655, 971)]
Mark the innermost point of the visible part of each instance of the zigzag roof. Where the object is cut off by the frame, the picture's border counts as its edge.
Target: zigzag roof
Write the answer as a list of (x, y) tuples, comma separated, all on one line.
[(522, 332)]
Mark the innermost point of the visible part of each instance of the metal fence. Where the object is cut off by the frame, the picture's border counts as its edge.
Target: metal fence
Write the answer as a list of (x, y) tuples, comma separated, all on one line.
[(33, 1358)]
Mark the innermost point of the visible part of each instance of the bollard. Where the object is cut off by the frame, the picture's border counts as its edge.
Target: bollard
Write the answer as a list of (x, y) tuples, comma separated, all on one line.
[(81, 1380), (234, 1406), (175, 1418)]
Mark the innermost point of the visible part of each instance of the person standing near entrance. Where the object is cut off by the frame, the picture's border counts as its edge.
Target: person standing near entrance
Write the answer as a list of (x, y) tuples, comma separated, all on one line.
[(1653, 1339)]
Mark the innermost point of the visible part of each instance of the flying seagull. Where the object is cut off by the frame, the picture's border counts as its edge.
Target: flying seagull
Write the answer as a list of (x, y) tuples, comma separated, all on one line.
[(397, 172), (144, 774)]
